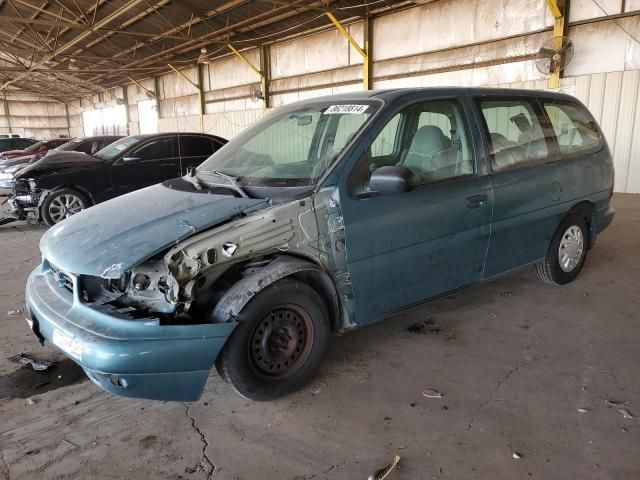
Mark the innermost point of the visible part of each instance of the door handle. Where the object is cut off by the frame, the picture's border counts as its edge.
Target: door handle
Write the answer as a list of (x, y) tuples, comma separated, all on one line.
[(475, 201)]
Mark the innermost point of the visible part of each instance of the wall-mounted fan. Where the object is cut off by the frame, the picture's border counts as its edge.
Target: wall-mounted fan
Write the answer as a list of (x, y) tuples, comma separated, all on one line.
[(255, 92), (554, 55)]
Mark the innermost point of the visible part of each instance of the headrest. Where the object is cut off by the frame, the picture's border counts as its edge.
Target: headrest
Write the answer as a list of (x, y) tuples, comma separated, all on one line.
[(429, 140)]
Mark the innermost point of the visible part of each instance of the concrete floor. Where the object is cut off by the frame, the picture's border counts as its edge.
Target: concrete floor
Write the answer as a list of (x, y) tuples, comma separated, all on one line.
[(515, 360)]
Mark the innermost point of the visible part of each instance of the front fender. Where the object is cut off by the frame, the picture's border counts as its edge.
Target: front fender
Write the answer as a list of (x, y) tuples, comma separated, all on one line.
[(235, 299)]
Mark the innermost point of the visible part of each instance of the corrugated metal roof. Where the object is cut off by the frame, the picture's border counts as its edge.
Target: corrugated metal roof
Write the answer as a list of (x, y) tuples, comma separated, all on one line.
[(69, 48)]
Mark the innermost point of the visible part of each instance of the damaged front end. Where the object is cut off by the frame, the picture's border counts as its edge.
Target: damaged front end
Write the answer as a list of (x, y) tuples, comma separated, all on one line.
[(26, 199), (145, 303)]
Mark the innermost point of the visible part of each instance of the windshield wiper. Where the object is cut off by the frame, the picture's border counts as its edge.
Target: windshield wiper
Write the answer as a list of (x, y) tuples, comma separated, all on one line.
[(232, 180), (192, 179)]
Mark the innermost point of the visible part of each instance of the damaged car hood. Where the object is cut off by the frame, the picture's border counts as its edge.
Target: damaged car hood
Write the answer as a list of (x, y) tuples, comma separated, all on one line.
[(110, 238)]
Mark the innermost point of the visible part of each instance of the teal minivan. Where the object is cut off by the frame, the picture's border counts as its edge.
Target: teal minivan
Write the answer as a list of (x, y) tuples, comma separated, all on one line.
[(326, 215)]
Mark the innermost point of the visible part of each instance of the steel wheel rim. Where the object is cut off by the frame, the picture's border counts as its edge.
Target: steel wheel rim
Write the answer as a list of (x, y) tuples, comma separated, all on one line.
[(281, 342), (571, 248), (63, 206)]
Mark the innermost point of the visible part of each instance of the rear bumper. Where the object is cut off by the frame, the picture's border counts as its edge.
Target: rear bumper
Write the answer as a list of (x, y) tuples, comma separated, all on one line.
[(133, 358), (604, 218)]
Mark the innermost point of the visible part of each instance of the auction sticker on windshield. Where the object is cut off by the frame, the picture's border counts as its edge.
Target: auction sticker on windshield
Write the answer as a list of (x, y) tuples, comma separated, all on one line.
[(340, 109)]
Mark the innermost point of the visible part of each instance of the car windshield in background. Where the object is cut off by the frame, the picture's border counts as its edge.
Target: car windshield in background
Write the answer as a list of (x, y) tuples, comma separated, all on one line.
[(291, 148), (65, 147), (34, 147), (113, 151)]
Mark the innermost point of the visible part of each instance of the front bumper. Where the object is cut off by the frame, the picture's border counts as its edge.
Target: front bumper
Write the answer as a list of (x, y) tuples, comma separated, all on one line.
[(133, 358)]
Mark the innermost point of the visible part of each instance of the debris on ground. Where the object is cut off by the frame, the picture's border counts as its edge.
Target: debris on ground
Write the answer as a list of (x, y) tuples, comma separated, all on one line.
[(506, 293), (616, 403), (384, 472), (316, 389), (625, 413), (582, 410), (37, 365), (516, 455), (31, 401), (425, 327), (14, 312), (431, 393)]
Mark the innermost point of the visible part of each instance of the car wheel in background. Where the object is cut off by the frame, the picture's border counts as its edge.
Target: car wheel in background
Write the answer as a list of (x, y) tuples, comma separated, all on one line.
[(62, 204)]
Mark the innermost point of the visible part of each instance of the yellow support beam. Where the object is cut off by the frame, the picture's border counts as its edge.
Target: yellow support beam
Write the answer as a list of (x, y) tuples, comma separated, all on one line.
[(245, 60), (200, 94), (142, 87), (553, 6), (558, 12), (366, 73)]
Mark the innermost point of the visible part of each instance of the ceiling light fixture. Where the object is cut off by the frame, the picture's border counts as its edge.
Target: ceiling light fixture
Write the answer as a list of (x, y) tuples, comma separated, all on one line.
[(203, 59)]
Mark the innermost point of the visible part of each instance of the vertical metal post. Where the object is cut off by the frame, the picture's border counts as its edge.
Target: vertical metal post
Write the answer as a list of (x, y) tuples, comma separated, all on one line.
[(156, 88), (366, 60), (6, 111), (66, 112), (125, 98), (560, 11), (265, 69), (201, 68)]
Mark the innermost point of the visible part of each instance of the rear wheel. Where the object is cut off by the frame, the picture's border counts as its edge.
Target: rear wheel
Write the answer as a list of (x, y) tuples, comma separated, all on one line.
[(62, 204), (279, 343), (567, 252)]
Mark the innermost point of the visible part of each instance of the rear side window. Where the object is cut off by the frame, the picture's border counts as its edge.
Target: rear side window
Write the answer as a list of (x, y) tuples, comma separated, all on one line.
[(195, 146), (515, 133), (574, 128)]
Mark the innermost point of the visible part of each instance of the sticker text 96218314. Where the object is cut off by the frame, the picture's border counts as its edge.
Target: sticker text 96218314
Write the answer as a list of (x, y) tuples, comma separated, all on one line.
[(341, 109)]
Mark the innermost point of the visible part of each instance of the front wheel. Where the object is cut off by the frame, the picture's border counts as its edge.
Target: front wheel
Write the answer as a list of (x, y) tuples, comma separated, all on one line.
[(567, 252), (279, 343), (62, 204)]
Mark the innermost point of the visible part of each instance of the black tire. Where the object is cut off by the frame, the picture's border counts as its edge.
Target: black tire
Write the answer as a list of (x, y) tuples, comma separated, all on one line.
[(550, 269), (46, 210), (287, 327)]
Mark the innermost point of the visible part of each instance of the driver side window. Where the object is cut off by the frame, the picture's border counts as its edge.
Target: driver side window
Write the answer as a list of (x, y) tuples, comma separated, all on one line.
[(429, 138), (159, 149)]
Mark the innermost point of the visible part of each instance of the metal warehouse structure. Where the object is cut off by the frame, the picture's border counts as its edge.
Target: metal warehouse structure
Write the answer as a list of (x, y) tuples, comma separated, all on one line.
[(71, 67)]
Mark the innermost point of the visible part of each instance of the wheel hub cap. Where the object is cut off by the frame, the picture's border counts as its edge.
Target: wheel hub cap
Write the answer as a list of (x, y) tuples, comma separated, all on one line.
[(571, 248), (281, 342), (63, 206)]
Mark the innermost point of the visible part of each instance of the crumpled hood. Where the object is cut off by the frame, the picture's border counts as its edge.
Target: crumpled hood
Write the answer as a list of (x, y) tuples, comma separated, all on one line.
[(110, 238)]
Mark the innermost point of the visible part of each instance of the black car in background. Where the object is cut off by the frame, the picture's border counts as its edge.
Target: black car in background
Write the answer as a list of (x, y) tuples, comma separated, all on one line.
[(9, 167), (61, 184), (13, 143)]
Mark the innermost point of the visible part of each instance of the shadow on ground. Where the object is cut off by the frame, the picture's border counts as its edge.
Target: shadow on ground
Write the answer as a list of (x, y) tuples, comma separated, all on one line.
[(25, 381)]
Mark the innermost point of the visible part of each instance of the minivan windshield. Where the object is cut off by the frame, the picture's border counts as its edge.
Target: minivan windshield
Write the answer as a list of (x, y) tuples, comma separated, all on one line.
[(291, 147), (113, 151)]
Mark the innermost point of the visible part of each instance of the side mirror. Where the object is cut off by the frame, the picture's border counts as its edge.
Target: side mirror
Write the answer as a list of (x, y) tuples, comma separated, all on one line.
[(391, 179), (130, 158)]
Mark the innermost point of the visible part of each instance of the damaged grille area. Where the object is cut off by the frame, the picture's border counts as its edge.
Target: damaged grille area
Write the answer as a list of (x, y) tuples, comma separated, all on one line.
[(63, 279), (103, 295)]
